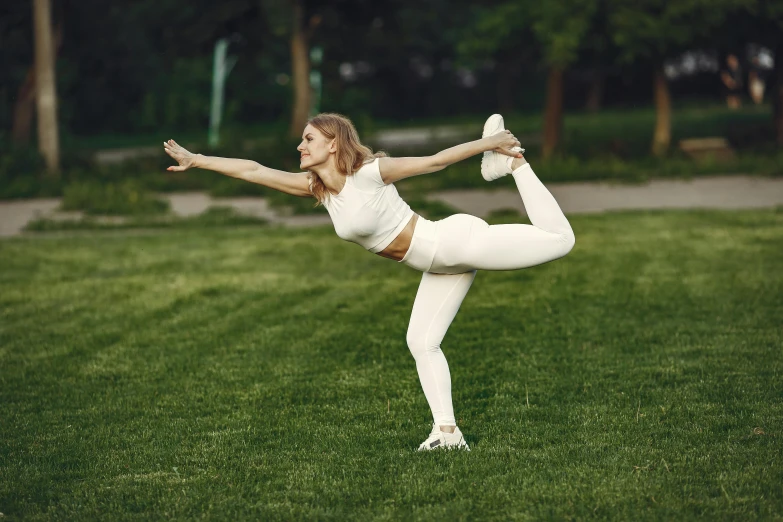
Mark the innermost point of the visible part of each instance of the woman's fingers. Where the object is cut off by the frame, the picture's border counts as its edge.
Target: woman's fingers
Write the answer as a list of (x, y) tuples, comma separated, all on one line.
[(508, 152), (175, 151)]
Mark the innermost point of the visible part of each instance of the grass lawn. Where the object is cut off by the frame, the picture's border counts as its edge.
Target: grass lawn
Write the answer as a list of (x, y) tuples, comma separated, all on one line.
[(260, 373)]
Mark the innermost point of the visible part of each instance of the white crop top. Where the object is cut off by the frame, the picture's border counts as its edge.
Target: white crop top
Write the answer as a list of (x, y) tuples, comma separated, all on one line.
[(367, 211)]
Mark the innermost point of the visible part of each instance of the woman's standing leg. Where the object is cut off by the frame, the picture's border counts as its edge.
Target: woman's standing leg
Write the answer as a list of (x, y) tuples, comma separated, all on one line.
[(437, 302)]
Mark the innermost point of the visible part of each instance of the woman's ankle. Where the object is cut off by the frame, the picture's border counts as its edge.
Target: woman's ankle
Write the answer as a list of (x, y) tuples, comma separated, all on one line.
[(517, 162)]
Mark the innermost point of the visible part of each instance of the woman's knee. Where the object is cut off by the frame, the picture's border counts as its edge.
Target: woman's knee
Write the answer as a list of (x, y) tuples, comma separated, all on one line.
[(569, 240), (418, 345)]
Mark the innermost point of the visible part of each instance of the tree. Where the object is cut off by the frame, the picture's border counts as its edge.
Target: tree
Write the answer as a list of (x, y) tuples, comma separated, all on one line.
[(46, 92), (656, 29), (297, 21), (558, 28), (301, 33)]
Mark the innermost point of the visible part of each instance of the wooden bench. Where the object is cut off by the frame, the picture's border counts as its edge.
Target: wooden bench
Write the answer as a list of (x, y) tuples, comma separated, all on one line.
[(705, 148)]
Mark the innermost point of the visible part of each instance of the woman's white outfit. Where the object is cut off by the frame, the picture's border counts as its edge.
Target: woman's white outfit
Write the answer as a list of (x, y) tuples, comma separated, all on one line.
[(449, 252)]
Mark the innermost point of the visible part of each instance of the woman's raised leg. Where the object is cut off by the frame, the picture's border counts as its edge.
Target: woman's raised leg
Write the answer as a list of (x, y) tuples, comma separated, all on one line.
[(467, 242)]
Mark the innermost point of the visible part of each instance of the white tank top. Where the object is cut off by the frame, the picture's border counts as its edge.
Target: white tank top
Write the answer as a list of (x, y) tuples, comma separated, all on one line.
[(367, 211)]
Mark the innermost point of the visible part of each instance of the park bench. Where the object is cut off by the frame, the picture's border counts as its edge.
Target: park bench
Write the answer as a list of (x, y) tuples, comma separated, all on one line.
[(704, 148)]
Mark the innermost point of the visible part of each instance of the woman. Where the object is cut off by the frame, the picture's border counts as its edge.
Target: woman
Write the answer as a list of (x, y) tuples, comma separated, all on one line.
[(356, 187)]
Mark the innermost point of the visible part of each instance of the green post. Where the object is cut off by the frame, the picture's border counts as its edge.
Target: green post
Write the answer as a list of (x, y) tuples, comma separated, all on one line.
[(316, 57)]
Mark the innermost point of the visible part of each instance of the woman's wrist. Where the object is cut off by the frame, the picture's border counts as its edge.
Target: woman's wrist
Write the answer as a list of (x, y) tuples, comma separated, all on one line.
[(198, 160), (489, 143)]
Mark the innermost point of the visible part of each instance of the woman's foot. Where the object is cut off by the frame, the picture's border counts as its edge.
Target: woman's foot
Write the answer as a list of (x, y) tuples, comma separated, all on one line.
[(441, 439), (495, 165)]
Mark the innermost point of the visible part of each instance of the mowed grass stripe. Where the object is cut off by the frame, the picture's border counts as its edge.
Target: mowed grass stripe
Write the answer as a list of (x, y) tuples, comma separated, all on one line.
[(263, 373)]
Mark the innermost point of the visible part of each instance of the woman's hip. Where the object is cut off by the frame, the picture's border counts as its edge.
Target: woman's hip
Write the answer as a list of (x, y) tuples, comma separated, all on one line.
[(436, 246)]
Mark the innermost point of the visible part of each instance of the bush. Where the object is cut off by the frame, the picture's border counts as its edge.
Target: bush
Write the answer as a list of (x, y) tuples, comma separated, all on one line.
[(431, 209), (22, 174), (127, 198)]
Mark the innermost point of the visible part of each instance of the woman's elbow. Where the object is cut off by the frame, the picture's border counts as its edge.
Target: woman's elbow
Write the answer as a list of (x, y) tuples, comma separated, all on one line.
[(436, 163)]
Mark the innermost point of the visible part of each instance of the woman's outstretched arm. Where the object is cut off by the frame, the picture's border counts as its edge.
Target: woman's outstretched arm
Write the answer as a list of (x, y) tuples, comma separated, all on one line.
[(294, 183), (395, 169)]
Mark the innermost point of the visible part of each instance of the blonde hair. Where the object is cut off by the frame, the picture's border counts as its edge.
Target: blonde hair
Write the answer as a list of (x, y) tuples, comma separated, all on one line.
[(351, 154)]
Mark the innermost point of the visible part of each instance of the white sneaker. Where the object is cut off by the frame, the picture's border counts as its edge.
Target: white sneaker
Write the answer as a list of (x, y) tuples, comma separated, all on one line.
[(495, 165), (441, 439)]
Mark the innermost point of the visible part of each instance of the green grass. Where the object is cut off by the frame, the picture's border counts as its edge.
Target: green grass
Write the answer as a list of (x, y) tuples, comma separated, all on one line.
[(262, 373)]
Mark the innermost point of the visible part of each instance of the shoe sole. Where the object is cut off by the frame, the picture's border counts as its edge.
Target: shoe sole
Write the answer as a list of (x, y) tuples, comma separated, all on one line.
[(452, 447), (492, 126), (459, 445)]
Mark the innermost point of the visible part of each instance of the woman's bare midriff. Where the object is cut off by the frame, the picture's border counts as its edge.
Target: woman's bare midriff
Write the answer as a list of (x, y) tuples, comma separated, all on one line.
[(399, 247)]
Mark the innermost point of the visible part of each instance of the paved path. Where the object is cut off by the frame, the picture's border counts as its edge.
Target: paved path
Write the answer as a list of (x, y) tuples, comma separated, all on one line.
[(729, 192), (719, 192)]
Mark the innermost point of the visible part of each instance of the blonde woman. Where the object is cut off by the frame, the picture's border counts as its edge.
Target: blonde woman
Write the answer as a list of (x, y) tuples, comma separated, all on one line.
[(357, 189)]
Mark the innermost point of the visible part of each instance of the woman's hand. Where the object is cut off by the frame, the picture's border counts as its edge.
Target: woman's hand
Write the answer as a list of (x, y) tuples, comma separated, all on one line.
[(182, 156), (502, 142)]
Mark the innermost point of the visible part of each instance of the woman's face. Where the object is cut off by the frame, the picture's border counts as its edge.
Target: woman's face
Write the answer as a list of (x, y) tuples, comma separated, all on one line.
[(315, 148)]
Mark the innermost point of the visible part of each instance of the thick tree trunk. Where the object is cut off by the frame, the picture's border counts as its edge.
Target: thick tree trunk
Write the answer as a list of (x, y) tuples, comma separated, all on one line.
[(553, 115), (777, 95), (300, 63), (595, 93), (662, 136), (46, 92)]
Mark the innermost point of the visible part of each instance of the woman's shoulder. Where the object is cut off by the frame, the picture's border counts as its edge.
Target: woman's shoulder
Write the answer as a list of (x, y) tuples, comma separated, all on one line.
[(368, 176)]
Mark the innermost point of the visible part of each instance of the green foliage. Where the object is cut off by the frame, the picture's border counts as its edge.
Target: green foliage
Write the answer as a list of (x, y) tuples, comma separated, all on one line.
[(490, 30), (651, 29), (561, 28), (22, 174), (112, 199), (293, 205), (429, 208), (610, 145), (504, 215), (263, 374)]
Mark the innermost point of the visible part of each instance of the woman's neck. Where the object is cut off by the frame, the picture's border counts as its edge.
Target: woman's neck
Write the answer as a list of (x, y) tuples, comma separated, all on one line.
[(333, 180)]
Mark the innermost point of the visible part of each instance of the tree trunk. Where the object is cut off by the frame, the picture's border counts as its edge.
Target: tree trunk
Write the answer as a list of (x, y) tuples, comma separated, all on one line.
[(46, 92), (777, 95), (553, 115), (24, 108), (662, 136), (595, 93), (300, 63)]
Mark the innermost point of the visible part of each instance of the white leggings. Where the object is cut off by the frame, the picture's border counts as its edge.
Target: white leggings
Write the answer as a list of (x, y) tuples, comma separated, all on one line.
[(450, 251)]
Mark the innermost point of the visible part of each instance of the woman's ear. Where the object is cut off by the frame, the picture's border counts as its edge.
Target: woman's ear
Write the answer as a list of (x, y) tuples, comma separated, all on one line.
[(333, 145)]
